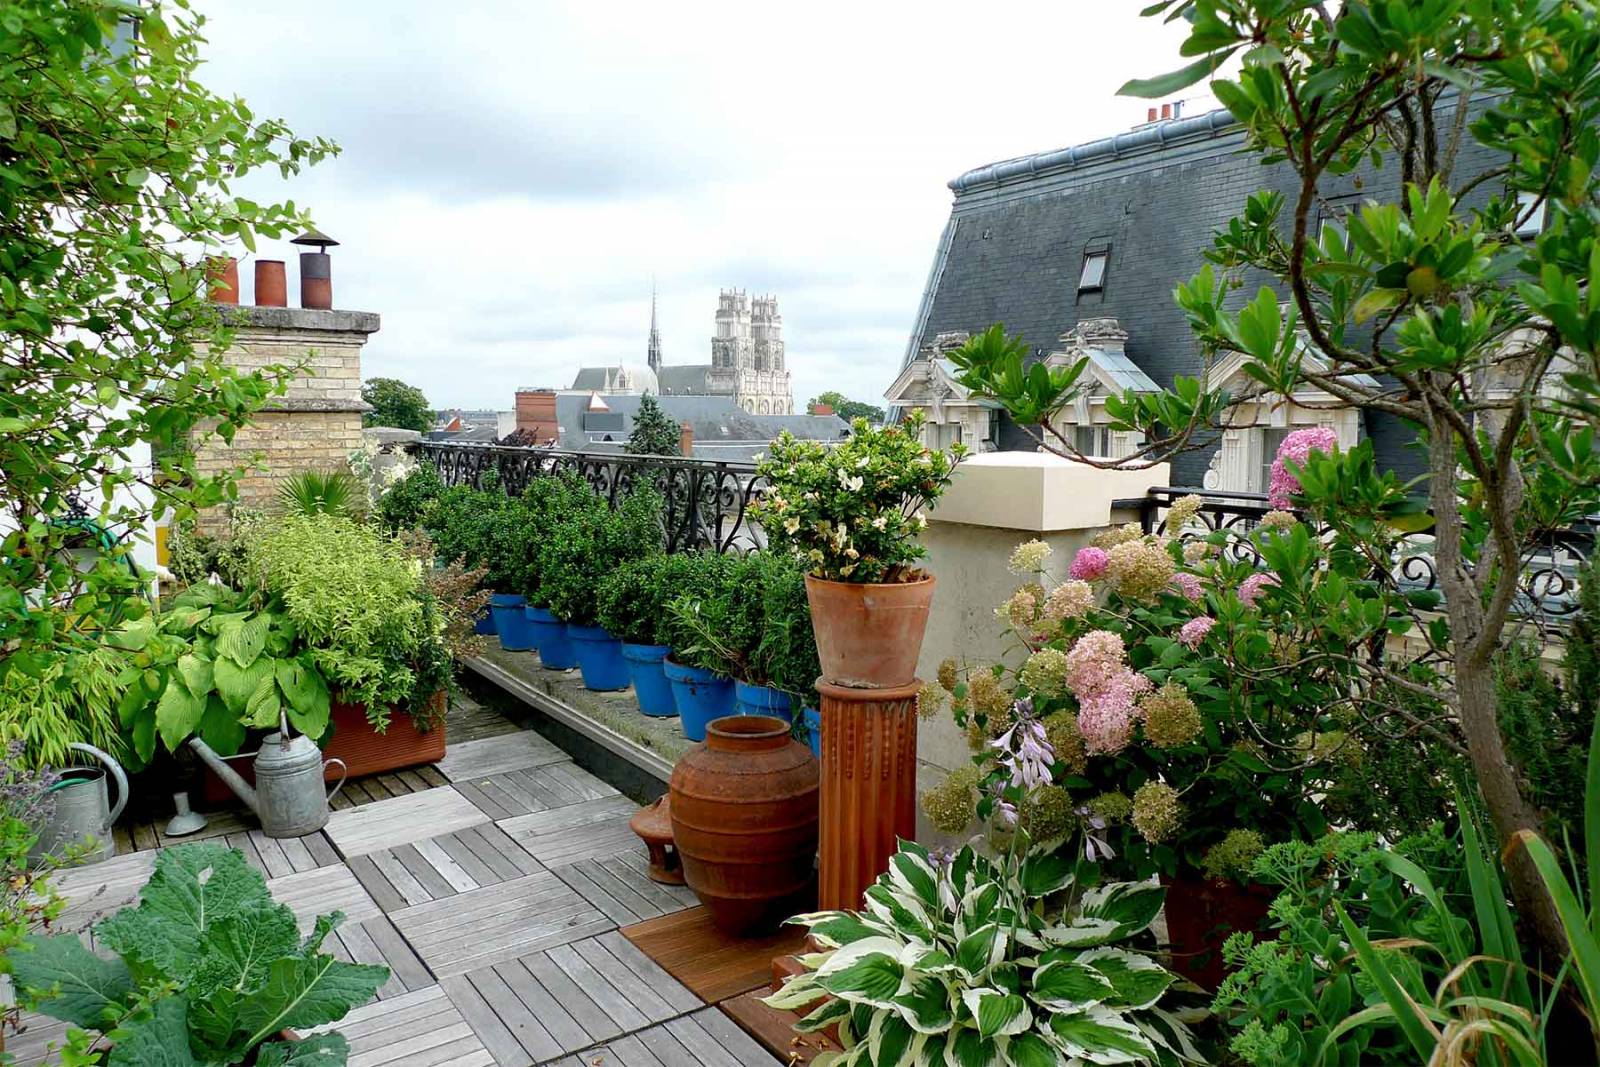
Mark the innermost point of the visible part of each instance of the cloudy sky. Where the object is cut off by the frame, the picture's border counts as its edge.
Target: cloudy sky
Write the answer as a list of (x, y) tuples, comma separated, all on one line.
[(514, 172)]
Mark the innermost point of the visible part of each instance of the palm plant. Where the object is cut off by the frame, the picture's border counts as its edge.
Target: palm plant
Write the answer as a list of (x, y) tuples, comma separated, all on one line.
[(319, 493)]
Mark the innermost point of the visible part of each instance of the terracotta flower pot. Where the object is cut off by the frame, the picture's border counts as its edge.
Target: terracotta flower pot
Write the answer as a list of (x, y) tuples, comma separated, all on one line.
[(744, 818), (366, 751), (869, 636), (1201, 914)]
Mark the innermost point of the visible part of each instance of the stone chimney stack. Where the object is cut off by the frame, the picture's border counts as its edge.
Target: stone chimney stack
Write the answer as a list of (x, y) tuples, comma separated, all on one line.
[(686, 439)]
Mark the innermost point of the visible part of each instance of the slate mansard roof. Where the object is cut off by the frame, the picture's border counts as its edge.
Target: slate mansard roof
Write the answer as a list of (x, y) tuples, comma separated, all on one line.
[(1012, 250)]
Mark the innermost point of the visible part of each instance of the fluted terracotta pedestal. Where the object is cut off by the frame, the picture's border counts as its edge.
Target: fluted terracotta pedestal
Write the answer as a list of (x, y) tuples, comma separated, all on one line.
[(869, 786)]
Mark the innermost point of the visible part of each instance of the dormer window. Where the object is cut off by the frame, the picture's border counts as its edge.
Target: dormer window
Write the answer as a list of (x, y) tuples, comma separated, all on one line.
[(1093, 277)]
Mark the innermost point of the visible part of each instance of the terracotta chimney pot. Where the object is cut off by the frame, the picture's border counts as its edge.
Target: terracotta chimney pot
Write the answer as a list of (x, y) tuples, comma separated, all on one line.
[(272, 290), (222, 278)]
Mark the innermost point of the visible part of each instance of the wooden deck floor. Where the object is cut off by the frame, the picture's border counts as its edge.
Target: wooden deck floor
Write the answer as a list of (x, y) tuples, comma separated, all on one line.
[(494, 887)]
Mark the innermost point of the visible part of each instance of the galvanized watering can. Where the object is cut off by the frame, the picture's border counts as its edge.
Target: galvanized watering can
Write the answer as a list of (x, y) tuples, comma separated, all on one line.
[(83, 814), (288, 796)]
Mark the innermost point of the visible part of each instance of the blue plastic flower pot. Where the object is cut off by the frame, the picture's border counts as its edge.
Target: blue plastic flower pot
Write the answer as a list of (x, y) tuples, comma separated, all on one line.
[(599, 657), (650, 683), (813, 720), (483, 625), (550, 638), (509, 622), (701, 696), (761, 700)]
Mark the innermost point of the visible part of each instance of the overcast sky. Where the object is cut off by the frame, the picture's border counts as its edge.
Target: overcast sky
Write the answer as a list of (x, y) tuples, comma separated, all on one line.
[(514, 172)]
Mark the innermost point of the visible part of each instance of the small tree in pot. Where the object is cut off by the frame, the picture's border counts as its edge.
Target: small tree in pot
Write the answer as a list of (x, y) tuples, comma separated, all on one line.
[(852, 514)]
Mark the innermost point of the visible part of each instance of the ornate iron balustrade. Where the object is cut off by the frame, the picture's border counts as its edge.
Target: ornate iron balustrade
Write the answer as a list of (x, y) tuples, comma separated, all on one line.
[(1549, 582), (707, 501)]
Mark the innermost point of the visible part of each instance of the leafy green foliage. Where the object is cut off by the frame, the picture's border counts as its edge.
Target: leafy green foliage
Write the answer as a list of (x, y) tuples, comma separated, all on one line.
[(213, 664), (754, 624), (852, 512), (847, 409), (72, 697), (118, 166), (395, 404), (407, 501), (653, 433), (320, 493), (632, 600), (587, 540), (984, 961), (207, 969), (359, 605)]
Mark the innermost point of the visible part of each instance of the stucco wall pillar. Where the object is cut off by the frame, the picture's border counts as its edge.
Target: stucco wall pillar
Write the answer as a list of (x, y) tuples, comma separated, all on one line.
[(998, 500), (315, 425)]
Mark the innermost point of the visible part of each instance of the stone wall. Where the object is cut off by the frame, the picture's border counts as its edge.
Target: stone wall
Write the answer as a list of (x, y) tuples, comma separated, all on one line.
[(315, 425)]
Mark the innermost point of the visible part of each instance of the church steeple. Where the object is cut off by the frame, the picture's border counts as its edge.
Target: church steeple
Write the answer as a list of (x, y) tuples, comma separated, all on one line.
[(653, 353)]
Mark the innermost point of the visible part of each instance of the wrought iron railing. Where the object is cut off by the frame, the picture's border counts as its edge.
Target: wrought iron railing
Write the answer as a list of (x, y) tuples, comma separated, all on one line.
[(1549, 582), (706, 502)]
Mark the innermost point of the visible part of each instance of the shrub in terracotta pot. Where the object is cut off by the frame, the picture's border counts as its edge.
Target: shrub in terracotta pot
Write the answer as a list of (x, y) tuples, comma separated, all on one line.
[(632, 604), (852, 514)]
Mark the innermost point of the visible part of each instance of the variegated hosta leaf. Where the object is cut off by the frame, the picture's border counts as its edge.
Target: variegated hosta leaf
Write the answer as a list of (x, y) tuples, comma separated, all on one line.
[(889, 1041), (823, 1017), (872, 978), (968, 1048), (1045, 872), (912, 873), (796, 993), (1082, 933), (926, 1005), (835, 928), (977, 908), (998, 1012), (1100, 1035), (981, 950), (1138, 980), (1169, 1032), (1030, 1050), (1069, 985), (900, 911), (1133, 906)]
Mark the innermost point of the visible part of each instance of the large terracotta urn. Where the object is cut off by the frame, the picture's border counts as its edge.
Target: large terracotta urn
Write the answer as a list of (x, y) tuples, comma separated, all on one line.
[(744, 819), (869, 636)]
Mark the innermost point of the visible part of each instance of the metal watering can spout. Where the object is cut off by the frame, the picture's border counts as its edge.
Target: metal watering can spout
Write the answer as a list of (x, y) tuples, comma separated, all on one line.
[(288, 796), (229, 776)]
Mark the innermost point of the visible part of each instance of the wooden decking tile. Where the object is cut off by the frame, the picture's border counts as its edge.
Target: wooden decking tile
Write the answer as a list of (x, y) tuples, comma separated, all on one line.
[(577, 831), (401, 820), (497, 755), (100, 889), (619, 886), (497, 923), (717, 967), (705, 1039), (532, 789), (321, 890), (443, 866), (276, 857), (377, 941), (421, 1028), (545, 1005)]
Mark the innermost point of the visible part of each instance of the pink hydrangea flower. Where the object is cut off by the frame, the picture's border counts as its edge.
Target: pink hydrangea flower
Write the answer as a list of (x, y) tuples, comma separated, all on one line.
[(1093, 660), (1296, 447), (1089, 564), (1251, 587), (1194, 631), (1188, 584)]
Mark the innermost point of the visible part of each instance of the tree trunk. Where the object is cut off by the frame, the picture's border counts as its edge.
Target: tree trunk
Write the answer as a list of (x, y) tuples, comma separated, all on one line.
[(1477, 706)]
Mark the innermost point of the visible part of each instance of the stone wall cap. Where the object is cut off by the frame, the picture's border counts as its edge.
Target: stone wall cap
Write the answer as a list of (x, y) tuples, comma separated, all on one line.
[(287, 318), (313, 404)]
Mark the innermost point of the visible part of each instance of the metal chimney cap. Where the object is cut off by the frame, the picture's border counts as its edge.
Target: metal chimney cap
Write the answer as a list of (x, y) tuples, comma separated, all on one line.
[(316, 238)]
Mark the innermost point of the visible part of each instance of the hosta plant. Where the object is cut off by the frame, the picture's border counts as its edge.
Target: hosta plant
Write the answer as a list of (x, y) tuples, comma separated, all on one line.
[(207, 969), (965, 961)]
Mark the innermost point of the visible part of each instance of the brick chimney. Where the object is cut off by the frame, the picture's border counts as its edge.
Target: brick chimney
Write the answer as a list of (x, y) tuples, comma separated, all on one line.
[(536, 414), (822, 409), (686, 438)]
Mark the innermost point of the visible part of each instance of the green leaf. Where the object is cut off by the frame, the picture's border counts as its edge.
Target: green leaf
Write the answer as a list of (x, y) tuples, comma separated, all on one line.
[(1101, 1036), (926, 1005), (968, 1048), (304, 993), (1139, 981), (193, 887), (157, 1038), (196, 674), (981, 949), (1407, 1015), (318, 1050), (264, 708), (242, 642), (1376, 302), (79, 987), (873, 979), (220, 726), (1045, 872), (307, 694), (178, 712), (237, 684), (997, 1012), (1171, 82), (1030, 1050), (1133, 906), (1067, 985)]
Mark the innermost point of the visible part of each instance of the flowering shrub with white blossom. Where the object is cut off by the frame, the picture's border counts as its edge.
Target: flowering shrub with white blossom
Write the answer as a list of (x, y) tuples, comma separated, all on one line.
[(1188, 715), (852, 512)]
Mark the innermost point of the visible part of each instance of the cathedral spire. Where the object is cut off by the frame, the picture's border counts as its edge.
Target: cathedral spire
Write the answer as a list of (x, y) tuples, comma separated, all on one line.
[(653, 352)]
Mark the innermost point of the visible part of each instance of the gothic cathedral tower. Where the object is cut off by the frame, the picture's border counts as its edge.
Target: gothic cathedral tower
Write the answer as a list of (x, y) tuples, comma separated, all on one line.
[(747, 357)]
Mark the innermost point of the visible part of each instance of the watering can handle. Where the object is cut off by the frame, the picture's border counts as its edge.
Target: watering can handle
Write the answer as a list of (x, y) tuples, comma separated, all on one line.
[(116, 773), (344, 772)]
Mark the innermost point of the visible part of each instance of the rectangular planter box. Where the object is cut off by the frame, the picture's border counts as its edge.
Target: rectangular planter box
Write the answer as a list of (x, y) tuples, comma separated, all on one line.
[(363, 749)]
